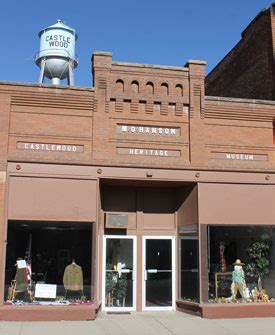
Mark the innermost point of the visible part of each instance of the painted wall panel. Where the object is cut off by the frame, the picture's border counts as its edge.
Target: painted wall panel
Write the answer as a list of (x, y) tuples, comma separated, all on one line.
[(52, 199)]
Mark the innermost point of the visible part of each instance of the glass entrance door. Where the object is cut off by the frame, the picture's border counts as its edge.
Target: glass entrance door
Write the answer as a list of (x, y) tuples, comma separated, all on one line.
[(119, 273), (158, 274)]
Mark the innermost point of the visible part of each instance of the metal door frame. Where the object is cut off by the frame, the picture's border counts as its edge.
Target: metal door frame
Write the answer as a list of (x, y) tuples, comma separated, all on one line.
[(119, 309), (173, 264), (193, 238)]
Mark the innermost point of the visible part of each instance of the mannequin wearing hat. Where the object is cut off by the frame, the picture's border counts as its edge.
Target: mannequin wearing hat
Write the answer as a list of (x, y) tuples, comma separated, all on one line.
[(238, 280)]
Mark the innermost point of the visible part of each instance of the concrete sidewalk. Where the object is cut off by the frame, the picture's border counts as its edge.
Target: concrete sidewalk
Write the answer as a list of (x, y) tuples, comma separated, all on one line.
[(162, 323)]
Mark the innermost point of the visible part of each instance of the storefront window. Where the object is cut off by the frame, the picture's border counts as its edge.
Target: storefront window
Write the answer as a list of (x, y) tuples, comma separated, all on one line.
[(48, 263), (241, 264), (189, 269)]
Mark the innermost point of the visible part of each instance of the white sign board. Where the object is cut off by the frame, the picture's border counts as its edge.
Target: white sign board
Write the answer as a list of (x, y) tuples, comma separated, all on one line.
[(21, 264), (45, 291)]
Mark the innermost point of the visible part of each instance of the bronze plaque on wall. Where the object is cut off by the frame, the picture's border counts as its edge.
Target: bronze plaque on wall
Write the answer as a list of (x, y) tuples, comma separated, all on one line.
[(116, 220)]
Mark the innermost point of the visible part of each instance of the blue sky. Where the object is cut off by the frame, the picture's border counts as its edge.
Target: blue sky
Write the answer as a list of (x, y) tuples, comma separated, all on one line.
[(151, 32)]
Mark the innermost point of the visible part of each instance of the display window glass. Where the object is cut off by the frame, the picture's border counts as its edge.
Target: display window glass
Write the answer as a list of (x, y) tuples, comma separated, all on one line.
[(48, 263), (189, 268), (241, 264), (119, 273)]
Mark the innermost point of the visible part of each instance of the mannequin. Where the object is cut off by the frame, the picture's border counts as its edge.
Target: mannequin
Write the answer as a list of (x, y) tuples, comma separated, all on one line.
[(238, 280), (73, 277), (21, 280)]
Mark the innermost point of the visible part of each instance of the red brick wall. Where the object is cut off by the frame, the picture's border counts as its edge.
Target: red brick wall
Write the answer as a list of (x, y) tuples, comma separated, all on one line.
[(239, 126), (47, 115), (89, 118), (144, 95), (247, 70)]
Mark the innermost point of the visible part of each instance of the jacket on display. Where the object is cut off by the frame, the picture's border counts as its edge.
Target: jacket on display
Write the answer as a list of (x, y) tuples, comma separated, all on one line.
[(73, 278)]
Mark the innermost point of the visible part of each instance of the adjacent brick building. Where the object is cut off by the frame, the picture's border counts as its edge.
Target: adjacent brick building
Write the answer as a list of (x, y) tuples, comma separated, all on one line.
[(150, 186), (247, 71)]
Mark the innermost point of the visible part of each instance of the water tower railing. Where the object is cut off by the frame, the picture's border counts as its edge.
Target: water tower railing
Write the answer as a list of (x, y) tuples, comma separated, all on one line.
[(55, 53)]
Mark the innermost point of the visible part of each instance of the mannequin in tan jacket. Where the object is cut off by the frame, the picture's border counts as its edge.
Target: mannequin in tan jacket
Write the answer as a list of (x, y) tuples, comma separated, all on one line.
[(73, 277)]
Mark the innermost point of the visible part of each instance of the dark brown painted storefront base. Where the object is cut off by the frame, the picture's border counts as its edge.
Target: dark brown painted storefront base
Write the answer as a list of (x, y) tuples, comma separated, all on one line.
[(228, 311), (48, 313)]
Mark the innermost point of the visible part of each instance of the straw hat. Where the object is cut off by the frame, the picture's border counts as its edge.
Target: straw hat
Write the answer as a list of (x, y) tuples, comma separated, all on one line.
[(238, 262)]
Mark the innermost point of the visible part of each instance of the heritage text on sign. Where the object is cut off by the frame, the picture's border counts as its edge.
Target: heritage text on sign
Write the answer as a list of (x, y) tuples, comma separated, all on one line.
[(148, 152), (50, 147)]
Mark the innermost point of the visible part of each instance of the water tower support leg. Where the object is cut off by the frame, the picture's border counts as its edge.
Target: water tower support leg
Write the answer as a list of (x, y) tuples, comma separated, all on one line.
[(42, 69), (71, 75)]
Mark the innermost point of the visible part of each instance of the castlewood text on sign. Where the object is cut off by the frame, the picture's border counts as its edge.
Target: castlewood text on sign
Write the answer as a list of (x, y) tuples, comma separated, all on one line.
[(58, 41), (49, 147), (148, 130)]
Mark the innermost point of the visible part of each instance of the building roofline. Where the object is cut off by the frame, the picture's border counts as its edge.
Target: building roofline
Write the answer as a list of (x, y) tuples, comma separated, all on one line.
[(195, 61), (147, 66), (76, 88), (229, 99), (151, 66), (102, 53), (256, 18)]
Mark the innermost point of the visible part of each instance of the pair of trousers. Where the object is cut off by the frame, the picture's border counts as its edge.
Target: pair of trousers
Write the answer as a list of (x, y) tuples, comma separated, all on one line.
[(235, 287)]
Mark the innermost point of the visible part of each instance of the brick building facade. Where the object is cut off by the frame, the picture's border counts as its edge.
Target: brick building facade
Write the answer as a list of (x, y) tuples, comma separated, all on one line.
[(150, 186)]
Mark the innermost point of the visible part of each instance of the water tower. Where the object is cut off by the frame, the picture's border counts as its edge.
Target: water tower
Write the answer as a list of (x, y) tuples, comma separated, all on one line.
[(56, 58)]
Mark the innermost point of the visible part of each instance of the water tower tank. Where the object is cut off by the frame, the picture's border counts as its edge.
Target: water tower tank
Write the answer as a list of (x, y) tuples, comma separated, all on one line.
[(56, 58)]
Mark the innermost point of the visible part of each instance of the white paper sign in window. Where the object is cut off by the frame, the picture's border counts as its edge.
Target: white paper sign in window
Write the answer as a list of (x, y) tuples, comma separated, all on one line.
[(45, 291)]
